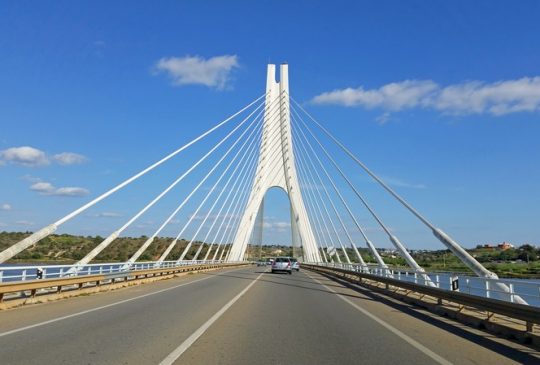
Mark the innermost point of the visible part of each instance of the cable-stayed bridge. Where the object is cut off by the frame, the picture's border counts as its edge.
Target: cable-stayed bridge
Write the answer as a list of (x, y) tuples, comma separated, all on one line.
[(272, 142)]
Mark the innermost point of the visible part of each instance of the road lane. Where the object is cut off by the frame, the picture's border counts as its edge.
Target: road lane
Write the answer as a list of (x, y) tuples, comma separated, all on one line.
[(454, 341), (141, 331), (295, 320), (93, 309), (15, 318), (173, 356)]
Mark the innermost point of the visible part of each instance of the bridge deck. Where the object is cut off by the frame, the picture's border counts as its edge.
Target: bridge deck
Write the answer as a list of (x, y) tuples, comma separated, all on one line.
[(281, 319)]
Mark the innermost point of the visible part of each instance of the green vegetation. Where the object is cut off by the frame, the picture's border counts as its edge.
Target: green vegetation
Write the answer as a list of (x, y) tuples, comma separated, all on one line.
[(521, 262), (66, 248)]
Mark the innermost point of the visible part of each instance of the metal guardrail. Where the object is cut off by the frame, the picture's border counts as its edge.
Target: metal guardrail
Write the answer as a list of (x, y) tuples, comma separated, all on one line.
[(527, 313), (10, 273), (59, 283), (473, 285)]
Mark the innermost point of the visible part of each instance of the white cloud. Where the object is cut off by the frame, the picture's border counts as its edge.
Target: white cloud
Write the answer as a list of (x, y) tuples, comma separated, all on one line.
[(25, 156), (276, 226), (394, 96), (69, 158), (5, 206), (473, 97), (33, 157), (497, 98), (71, 191), (45, 188), (42, 187), (30, 178), (212, 72), (383, 118), (280, 225)]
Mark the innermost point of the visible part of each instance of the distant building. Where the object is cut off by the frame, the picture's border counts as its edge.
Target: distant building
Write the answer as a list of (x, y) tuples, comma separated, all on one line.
[(383, 250), (505, 246), (501, 246)]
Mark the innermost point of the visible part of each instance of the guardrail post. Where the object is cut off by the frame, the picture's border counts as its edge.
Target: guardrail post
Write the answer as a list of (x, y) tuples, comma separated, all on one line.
[(511, 287), (24, 275), (487, 289), (1, 277)]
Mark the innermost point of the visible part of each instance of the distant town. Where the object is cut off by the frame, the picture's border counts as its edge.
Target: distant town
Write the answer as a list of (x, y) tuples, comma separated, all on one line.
[(505, 259)]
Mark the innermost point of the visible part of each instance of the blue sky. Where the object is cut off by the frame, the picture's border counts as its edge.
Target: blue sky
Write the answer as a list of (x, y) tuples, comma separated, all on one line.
[(442, 99)]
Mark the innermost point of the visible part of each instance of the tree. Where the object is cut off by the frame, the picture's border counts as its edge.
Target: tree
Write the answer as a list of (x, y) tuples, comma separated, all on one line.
[(527, 253)]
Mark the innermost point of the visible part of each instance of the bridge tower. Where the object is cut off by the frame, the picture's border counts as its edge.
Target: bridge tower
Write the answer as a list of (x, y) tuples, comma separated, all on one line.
[(276, 168)]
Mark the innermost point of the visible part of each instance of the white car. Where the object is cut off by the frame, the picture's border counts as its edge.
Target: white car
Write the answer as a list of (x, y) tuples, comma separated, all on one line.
[(294, 263), (282, 264)]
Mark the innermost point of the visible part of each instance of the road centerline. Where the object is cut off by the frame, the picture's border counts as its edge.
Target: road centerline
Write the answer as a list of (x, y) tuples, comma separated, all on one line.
[(439, 359), (184, 346)]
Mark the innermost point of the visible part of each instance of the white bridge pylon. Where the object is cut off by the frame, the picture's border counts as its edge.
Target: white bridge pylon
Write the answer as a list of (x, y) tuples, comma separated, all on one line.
[(276, 168)]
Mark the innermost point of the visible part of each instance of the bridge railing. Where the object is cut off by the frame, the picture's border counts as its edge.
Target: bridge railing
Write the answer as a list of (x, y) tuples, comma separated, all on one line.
[(528, 290), (19, 273)]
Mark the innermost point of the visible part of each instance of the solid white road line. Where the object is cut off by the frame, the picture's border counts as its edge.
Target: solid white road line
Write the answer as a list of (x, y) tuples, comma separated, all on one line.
[(389, 327), (99, 308), (173, 356)]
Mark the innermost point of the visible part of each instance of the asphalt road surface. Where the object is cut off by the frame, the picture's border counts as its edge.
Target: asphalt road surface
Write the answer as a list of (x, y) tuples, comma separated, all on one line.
[(244, 316)]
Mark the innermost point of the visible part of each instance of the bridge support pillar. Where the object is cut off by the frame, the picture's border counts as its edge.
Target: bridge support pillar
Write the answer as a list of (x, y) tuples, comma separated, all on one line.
[(276, 168)]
